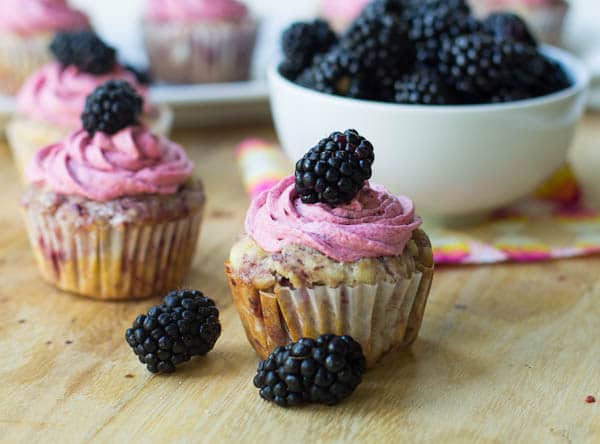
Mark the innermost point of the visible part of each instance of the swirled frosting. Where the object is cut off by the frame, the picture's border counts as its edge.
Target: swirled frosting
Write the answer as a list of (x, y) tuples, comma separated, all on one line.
[(195, 10), (56, 94), (376, 223), (104, 167), (30, 16)]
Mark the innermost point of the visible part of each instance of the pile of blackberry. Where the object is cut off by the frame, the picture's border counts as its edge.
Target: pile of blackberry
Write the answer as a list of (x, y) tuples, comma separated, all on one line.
[(325, 370), (430, 52)]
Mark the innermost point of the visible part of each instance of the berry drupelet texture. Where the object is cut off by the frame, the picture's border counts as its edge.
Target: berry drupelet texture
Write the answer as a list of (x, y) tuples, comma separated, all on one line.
[(85, 50), (335, 170), (507, 26), (111, 107), (186, 324), (324, 370), (424, 87), (301, 42)]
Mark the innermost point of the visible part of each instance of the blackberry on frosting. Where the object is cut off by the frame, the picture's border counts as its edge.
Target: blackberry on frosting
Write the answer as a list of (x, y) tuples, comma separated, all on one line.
[(85, 50), (335, 170), (111, 107)]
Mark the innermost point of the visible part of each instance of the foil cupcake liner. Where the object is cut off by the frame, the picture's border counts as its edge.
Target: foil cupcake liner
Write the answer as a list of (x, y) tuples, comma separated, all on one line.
[(200, 52), (26, 136), (19, 57), (102, 261), (381, 317)]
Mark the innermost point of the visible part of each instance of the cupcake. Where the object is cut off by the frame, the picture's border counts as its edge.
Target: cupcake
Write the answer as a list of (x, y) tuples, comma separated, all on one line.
[(112, 211), (340, 13), (50, 104), (202, 41), (546, 17), (26, 29), (328, 252)]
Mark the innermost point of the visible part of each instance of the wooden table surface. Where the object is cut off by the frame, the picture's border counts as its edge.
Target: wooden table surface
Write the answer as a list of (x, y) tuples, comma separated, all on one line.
[(507, 353)]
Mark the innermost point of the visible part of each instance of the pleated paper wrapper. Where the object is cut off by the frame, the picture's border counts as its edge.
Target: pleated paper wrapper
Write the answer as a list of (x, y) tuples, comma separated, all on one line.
[(201, 52), (114, 262), (20, 57), (381, 317)]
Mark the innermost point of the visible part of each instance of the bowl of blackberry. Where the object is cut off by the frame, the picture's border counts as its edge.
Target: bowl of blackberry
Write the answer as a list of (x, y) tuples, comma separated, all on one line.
[(468, 114)]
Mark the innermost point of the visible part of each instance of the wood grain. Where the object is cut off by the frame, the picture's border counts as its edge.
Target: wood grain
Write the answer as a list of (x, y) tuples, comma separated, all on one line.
[(507, 353)]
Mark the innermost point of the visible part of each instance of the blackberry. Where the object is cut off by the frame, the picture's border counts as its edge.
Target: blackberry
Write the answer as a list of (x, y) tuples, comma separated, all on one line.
[(324, 370), (507, 26), (379, 38), (430, 27), (335, 170), (541, 75), (301, 42), (111, 107), (423, 87), (477, 65), (338, 72), (186, 324), (85, 50)]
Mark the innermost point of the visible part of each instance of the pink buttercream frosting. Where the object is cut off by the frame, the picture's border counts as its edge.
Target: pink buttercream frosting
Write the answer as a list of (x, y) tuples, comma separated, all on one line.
[(376, 223), (104, 167), (31, 16), (195, 10), (56, 94)]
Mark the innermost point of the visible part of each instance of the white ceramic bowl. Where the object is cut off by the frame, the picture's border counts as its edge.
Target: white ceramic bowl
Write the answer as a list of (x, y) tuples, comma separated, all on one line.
[(454, 161)]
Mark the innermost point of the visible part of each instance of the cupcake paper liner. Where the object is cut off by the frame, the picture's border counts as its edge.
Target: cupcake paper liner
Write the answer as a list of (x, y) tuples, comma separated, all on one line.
[(102, 261), (202, 52), (19, 57), (381, 317), (26, 136)]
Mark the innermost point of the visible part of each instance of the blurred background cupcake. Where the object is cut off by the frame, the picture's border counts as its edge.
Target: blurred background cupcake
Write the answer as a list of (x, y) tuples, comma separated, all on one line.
[(113, 211), (50, 104), (202, 41), (340, 13), (546, 17), (26, 29)]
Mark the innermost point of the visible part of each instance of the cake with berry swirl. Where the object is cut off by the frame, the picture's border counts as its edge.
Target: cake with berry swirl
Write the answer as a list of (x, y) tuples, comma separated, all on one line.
[(26, 29), (50, 103), (113, 210), (328, 252)]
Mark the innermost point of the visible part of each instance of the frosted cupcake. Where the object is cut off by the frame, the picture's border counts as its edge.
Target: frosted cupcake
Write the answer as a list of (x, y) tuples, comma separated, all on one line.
[(328, 252), (26, 29), (50, 104), (340, 13), (112, 211), (202, 41)]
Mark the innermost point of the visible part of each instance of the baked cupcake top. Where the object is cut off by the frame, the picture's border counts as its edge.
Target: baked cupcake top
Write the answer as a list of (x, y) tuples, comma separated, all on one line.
[(195, 10), (112, 156), (27, 17), (56, 94), (373, 224)]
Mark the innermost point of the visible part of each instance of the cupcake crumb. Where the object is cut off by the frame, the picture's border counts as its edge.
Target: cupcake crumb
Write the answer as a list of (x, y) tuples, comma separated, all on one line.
[(590, 399), (129, 376), (221, 214), (22, 321), (48, 342), (460, 306), (68, 342)]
